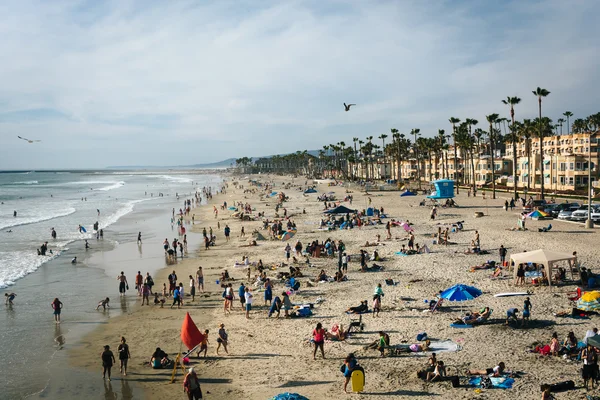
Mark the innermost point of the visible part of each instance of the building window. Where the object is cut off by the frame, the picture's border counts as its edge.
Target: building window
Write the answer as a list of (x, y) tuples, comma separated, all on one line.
[(571, 180), (578, 166), (571, 166)]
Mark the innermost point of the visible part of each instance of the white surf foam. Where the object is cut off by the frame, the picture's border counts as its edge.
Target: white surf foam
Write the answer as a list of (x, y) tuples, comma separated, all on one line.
[(21, 264), (26, 183), (115, 185), (179, 179), (25, 219)]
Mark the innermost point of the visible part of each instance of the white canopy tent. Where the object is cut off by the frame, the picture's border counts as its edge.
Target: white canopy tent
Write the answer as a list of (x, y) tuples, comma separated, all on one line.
[(547, 258)]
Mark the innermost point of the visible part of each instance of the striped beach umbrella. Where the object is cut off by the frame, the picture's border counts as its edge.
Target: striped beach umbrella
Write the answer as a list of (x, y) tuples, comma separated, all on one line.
[(589, 301)]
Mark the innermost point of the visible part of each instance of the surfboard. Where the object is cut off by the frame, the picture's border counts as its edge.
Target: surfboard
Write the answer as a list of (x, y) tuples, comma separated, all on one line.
[(511, 294), (83, 230), (461, 326), (358, 380)]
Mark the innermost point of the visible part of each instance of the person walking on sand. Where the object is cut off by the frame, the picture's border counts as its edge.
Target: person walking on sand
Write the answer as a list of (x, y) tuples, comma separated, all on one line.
[(248, 296), (318, 335), (176, 298), (108, 359), (122, 283), (192, 287), (502, 253), (222, 339), (350, 364), (227, 231), (124, 355), (139, 281), (268, 292), (288, 252), (203, 345), (200, 279), (191, 385), (526, 311), (57, 305), (145, 294), (388, 227), (139, 241)]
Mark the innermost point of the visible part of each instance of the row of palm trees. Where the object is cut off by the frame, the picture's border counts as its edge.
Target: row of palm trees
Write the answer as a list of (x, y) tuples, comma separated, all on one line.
[(466, 137)]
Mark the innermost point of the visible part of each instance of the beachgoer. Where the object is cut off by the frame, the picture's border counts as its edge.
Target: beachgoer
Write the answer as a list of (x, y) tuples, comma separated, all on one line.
[(57, 305), (146, 294), (287, 303), (176, 298), (124, 355), (192, 287), (268, 291), (438, 372), (526, 311), (222, 339), (103, 304), (203, 344), (248, 297), (498, 370), (227, 231), (318, 335), (149, 281), (376, 305), (384, 341), (191, 385), (590, 365), (502, 253), (511, 315), (108, 359), (122, 283), (350, 364), (139, 239), (9, 298), (139, 280), (200, 279)]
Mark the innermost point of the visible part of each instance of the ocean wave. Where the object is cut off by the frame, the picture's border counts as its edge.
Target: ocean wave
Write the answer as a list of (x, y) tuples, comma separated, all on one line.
[(16, 265), (25, 183), (122, 211), (115, 185), (174, 178), (26, 220)]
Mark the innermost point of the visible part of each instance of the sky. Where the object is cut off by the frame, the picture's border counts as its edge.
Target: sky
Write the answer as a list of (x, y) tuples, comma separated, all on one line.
[(105, 83)]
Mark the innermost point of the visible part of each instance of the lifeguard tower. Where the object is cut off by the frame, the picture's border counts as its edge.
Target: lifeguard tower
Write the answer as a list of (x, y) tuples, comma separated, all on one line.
[(443, 189)]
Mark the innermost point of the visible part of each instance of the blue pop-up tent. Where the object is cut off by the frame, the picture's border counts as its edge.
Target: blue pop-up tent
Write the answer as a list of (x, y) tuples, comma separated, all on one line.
[(408, 193), (310, 190), (444, 189)]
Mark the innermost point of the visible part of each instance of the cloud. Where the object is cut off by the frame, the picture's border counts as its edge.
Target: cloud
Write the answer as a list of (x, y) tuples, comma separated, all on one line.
[(190, 82)]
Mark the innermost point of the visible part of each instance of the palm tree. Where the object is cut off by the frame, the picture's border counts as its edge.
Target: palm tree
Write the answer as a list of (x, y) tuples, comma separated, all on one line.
[(512, 102), (383, 137), (539, 93), (526, 132), (492, 119), (560, 121), (466, 143), (568, 114), (440, 142), (371, 147), (415, 133), (355, 139), (455, 121)]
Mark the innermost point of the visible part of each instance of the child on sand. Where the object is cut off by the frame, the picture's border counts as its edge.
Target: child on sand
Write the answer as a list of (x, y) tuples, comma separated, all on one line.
[(204, 344)]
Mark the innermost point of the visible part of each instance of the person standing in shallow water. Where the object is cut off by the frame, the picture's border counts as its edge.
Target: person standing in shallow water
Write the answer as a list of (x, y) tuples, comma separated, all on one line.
[(122, 283), (57, 305)]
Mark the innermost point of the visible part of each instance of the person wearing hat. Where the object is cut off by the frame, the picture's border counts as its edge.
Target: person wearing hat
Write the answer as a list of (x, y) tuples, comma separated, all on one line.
[(222, 339), (108, 359), (191, 385)]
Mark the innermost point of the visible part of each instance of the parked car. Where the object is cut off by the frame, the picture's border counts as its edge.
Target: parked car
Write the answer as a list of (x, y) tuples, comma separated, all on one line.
[(566, 213), (535, 205), (581, 214), (555, 209)]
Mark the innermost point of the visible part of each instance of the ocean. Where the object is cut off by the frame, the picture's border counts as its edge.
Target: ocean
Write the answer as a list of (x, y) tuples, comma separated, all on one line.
[(122, 203)]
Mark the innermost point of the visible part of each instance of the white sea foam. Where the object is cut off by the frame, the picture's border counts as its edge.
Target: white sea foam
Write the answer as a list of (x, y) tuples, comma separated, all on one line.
[(115, 185), (122, 211), (17, 264), (26, 183), (25, 219), (179, 179)]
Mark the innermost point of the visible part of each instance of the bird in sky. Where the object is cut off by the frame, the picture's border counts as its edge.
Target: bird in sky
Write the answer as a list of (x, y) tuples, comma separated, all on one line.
[(28, 140), (347, 106)]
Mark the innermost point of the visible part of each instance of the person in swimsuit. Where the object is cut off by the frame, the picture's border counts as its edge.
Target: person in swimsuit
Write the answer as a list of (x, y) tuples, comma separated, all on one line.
[(222, 339), (122, 283), (200, 279), (103, 304), (57, 306), (204, 344), (124, 356), (319, 340), (108, 359), (9, 298)]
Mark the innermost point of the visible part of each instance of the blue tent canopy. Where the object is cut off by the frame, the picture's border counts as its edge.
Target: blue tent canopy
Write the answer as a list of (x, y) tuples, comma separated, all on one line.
[(310, 190), (444, 189)]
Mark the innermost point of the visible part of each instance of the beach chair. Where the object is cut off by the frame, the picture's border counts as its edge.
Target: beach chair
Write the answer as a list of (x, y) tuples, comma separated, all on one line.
[(357, 323), (437, 305)]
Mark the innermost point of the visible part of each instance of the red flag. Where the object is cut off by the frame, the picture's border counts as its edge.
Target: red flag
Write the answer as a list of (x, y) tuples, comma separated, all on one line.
[(190, 335)]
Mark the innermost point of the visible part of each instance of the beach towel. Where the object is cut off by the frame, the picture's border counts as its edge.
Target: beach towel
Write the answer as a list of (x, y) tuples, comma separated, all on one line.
[(461, 326), (443, 346), (288, 396), (497, 382), (399, 253)]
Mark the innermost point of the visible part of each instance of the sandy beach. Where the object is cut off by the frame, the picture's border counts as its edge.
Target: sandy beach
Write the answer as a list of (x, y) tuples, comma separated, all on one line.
[(271, 356)]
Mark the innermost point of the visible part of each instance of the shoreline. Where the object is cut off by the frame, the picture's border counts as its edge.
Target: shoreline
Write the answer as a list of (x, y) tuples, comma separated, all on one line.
[(270, 356)]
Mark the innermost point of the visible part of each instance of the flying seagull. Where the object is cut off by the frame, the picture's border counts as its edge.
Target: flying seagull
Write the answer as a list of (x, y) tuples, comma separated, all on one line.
[(28, 140), (347, 106)]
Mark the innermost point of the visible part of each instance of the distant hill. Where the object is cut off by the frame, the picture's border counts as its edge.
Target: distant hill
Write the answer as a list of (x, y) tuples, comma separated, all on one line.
[(219, 164)]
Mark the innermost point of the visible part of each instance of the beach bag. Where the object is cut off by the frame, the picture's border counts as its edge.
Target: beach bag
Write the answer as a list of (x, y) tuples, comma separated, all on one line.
[(304, 312), (486, 382), (455, 381), (422, 336)]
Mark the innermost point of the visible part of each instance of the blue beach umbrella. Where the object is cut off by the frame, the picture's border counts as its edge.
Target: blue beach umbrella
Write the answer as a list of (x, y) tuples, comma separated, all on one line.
[(460, 293)]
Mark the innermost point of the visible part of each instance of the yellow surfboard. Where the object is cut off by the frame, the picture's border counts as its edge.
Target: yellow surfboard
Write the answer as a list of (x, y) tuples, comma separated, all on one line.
[(358, 380)]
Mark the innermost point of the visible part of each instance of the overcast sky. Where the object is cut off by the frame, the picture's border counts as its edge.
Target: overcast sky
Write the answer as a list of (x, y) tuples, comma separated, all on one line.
[(176, 82)]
